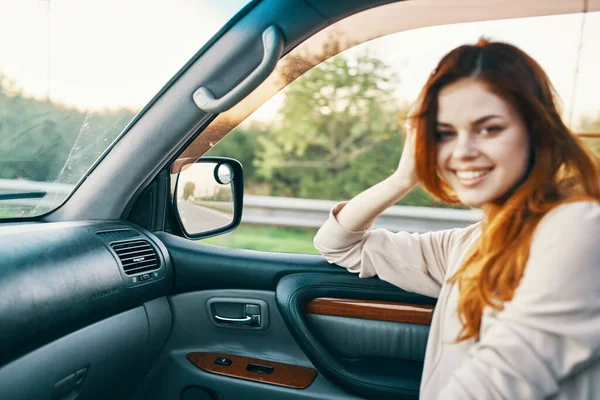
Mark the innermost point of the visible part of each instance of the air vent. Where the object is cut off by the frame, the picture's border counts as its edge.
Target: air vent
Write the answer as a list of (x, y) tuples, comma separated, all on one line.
[(136, 256)]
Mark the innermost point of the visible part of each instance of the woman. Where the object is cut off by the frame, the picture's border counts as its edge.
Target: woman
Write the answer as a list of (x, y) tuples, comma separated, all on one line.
[(518, 311)]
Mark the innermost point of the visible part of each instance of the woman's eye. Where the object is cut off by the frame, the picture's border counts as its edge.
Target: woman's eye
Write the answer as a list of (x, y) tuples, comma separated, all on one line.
[(491, 129), (443, 135)]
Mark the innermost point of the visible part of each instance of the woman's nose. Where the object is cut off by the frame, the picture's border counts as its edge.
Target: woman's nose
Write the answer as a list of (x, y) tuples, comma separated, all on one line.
[(465, 146)]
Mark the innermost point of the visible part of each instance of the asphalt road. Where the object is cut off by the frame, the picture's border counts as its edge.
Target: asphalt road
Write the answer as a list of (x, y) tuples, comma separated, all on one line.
[(198, 219)]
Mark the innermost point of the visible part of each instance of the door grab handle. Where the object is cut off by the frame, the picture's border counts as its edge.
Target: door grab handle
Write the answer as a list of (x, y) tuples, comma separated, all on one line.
[(272, 39), (235, 321)]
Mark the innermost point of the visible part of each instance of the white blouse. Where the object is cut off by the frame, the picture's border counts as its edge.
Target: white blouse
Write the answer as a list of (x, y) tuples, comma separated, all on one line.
[(545, 343)]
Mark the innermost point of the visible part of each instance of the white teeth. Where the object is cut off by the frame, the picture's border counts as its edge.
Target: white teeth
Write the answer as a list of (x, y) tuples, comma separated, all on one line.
[(470, 174)]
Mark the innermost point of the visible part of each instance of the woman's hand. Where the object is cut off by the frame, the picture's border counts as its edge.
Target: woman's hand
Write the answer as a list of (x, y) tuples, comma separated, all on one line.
[(406, 167)]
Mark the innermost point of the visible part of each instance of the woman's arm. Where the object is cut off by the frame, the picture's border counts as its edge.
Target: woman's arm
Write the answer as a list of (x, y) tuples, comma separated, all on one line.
[(360, 212), (415, 262), (550, 330)]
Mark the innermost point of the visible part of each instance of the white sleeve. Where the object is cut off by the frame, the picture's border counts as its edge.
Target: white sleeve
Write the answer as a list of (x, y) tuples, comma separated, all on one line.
[(550, 329), (414, 262)]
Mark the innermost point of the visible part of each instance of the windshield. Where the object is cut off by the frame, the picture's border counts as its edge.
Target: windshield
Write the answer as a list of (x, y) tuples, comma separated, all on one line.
[(73, 74)]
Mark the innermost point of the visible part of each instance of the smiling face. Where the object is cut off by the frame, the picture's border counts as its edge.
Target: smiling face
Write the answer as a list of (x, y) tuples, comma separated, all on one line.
[(482, 143)]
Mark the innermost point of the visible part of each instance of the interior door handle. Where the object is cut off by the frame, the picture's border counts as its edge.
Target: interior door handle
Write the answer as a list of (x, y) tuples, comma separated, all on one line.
[(272, 48), (235, 321), (238, 312)]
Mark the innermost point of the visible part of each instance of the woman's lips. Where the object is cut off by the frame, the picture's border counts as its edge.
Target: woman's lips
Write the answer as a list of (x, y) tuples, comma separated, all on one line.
[(470, 178)]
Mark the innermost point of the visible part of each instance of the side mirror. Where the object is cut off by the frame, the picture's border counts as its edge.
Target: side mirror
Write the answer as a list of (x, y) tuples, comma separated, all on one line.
[(209, 197)]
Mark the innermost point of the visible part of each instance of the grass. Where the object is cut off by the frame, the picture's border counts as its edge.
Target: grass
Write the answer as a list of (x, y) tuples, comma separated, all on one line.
[(267, 238)]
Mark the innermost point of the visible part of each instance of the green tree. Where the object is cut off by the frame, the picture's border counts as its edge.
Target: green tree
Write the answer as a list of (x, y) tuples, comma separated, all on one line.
[(188, 189), (334, 117), (44, 141), (338, 133), (223, 194)]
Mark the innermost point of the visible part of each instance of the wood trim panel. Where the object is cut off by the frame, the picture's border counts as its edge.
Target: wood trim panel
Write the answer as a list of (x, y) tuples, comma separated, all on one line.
[(292, 376), (370, 309)]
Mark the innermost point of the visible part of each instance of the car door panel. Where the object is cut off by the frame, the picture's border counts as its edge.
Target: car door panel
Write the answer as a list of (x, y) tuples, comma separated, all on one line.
[(354, 338), (195, 331), (369, 372), (365, 357)]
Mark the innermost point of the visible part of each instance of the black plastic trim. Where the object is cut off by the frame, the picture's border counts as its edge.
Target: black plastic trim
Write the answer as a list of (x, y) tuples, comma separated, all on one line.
[(150, 208), (200, 266)]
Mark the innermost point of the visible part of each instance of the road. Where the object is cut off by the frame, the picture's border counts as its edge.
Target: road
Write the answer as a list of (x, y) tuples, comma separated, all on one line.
[(198, 219)]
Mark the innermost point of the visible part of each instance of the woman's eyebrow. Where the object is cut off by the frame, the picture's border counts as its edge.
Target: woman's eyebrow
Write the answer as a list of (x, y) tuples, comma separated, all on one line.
[(484, 119), (476, 122)]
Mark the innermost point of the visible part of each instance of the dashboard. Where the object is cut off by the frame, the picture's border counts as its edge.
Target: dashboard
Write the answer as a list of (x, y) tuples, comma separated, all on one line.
[(80, 301)]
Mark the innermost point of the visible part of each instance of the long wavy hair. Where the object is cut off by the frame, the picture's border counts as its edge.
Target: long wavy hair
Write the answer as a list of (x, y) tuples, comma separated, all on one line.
[(561, 169)]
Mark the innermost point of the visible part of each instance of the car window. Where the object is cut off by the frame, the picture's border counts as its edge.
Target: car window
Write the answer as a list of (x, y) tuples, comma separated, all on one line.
[(73, 74), (337, 129), (585, 112)]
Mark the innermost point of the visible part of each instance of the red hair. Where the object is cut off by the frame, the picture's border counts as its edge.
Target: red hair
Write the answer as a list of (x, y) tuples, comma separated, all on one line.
[(561, 169)]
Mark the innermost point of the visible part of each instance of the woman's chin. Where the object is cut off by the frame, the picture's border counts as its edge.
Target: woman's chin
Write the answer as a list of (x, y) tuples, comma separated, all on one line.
[(475, 199)]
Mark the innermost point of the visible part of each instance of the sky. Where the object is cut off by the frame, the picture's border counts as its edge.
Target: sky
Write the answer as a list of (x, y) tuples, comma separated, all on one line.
[(104, 53), (96, 54)]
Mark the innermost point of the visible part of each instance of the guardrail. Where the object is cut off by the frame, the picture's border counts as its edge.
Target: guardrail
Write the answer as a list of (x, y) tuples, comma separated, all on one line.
[(308, 213), (292, 212)]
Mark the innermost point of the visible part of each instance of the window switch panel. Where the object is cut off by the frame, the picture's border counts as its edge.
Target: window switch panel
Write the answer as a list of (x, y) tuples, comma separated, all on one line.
[(223, 361)]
